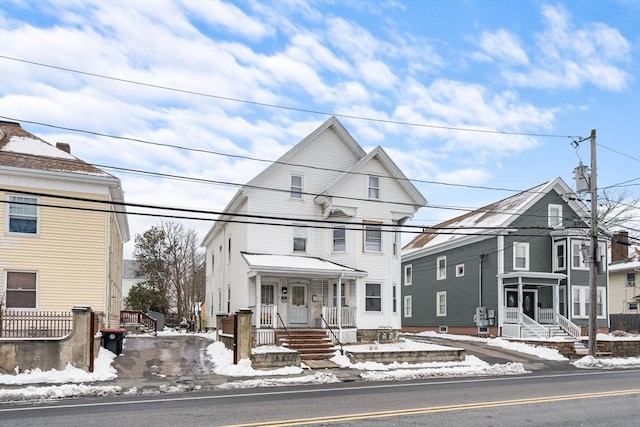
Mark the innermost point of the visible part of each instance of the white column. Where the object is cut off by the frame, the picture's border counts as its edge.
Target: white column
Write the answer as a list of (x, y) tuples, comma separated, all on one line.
[(520, 298), (258, 315)]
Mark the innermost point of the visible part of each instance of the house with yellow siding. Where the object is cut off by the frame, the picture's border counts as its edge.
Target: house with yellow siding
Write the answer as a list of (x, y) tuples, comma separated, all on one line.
[(63, 225)]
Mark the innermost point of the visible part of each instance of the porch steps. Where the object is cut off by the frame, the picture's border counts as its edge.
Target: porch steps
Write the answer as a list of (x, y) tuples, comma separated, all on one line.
[(311, 344), (557, 331)]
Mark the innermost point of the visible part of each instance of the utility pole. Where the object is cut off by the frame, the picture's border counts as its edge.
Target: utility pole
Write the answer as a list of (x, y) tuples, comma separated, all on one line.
[(593, 268)]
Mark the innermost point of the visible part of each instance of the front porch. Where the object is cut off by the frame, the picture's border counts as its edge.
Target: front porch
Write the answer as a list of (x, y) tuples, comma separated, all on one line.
[(532, 305)]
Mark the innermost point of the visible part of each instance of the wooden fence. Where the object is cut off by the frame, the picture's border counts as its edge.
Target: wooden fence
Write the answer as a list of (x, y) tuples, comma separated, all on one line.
[(625, 322), (35, 324)]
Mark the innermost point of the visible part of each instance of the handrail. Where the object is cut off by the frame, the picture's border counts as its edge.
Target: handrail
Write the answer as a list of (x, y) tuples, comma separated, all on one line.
[(283, 325), (334, 335), (570, 327), (534, 327)]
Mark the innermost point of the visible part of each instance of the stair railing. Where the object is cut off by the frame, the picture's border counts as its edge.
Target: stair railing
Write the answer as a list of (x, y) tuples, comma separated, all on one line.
[(283, 326), (334, 335)]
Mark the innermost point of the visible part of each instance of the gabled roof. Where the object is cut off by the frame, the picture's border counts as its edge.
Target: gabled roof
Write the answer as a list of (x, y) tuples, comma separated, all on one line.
[(240, 195), (292, 264), (393, 170), (486, 220), (23, 150)]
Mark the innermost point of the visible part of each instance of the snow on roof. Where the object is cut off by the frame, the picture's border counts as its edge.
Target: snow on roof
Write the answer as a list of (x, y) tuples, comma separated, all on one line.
[(292, 262), (35, 147)]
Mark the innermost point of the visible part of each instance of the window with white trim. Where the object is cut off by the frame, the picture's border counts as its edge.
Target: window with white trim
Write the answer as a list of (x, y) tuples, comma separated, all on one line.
[(373, 297), (408, 306), (459, 270), (559, 256), (580, 248), (299, 239), (372, 237), (296, 187), (441, 303), (374, 187), (394, 244), (394, 298), (21, 290), (441, 268), (580, 298), (23, 215), (631, 278), (408, 274), (555, 216), (520, 256), (339, 238)]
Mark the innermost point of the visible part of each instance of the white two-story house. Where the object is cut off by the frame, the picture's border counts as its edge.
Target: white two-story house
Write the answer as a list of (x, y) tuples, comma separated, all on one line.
[(314, 241)]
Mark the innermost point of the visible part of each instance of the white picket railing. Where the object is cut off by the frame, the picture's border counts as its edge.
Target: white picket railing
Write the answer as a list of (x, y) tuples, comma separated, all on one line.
[(266, 316), (546, 315), (511, 315), (571, 328), (348, 315), (533, 328)]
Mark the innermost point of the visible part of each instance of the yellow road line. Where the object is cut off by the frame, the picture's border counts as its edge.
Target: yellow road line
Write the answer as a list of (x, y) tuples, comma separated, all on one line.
[(435, 409)]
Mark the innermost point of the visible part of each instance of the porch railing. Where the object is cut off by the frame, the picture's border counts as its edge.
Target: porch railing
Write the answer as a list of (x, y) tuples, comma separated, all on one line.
[(571, 328), (138, 317), (533, 328), (546, 316), (511, 315), (266, 316), (35, 324), (348, 314)]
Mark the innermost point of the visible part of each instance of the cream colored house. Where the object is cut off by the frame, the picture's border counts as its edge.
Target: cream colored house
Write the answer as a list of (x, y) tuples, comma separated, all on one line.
[(624, 276), (61, 235)]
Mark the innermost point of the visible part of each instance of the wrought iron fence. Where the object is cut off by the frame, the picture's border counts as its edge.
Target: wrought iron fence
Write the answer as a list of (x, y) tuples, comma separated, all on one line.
[(35, 324)]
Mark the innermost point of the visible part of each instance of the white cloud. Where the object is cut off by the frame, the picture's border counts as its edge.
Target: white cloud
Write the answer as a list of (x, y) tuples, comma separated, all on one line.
[(503, 46), (230, 17)]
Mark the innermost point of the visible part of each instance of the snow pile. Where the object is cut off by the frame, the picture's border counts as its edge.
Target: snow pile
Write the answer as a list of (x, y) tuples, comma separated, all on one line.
[(590, 362)]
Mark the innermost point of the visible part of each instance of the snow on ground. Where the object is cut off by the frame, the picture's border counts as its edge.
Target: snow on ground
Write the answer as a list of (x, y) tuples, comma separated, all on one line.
[(73, 382)]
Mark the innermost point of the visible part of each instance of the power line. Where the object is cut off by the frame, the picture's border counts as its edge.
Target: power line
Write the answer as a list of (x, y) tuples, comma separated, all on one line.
[(283, 107)]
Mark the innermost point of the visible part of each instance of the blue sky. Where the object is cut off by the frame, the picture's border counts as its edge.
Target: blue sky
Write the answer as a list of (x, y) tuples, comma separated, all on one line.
[(527, 68)]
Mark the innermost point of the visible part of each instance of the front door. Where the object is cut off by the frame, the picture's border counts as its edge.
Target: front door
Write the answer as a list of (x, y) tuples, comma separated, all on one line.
[(528, 302), (299, 313)]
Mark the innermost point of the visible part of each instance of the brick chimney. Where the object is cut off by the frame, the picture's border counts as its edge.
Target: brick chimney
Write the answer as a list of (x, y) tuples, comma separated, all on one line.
[(620, 246), (64, 147)]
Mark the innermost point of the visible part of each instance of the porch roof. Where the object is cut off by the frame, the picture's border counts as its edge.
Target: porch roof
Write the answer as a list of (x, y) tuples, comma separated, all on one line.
[(297, 265), (532, 275)]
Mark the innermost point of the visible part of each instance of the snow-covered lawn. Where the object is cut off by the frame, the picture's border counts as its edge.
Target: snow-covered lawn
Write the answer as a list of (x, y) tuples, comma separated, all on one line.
[(73, 382)]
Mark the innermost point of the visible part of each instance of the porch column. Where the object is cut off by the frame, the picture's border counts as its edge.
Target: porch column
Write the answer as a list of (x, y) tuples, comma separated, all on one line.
[(258, 316), (520, 299), (556, 300), (339, 305), (500, 302)]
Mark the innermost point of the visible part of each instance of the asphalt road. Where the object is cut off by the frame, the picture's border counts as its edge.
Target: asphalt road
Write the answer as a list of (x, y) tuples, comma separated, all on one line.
[(585, 398)]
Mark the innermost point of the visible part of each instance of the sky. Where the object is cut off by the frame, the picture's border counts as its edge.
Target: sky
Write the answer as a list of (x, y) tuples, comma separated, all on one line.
[(185, 101), (73, 382)]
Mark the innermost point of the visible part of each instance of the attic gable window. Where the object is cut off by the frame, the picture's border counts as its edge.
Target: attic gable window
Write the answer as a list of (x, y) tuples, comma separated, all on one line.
[(23, 215), (296, 187), (374, 187), (555, 216)]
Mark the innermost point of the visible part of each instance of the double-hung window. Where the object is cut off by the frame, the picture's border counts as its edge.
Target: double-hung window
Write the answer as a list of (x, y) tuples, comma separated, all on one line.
[(408, 274), (579, 250), (372, 237), (23, 215), (441, 268), (555, 216), (299, 239), (581, 301), (296, 187), (408, 306), (21, 289), (374, 187), (441, 303), (373, 297), (560, 256), (339, 238), (520, 256)]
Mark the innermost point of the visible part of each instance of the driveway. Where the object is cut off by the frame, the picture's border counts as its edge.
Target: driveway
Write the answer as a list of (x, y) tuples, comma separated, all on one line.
[(171, 356)]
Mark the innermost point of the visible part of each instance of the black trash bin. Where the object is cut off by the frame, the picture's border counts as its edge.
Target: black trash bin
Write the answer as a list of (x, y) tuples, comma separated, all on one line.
[(112, 339)]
